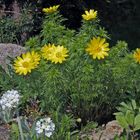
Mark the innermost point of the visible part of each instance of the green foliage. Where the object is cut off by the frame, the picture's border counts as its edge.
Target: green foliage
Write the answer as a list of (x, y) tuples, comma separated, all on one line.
[(129, 117), (15, 30), (62, 131), (120, 138), (33, 42), (90, 126), (7, 25), (53, 24), (81, 87), (14, 131)]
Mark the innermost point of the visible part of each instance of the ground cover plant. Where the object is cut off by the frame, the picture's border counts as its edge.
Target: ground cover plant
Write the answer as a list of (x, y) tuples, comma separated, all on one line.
[(67, 79), (16, 26)]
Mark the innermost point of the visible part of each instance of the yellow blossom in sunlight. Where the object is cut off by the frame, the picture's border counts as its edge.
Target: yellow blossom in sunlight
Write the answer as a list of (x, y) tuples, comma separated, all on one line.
[(47, 51), (35, 57), (136, 55), (89, 15), (59, 54), (51, 9), (26, 62), (55, 54), (98, 48)]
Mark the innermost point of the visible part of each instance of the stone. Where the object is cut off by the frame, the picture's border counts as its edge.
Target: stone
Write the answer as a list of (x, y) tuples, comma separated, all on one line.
[(4, 133), (110, 130), (9, 51)]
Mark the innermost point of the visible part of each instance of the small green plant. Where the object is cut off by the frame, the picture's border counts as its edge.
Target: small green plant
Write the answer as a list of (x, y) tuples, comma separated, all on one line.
[(16, 30), (129, 118), (36, 128)]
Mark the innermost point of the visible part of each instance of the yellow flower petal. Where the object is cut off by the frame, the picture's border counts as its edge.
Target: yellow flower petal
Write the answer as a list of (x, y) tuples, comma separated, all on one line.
[(26, 63), (51, 9), (55, 54), (59, 54), (47, 51), (35, 57), (136, 55), (98, 48), (89, 15)]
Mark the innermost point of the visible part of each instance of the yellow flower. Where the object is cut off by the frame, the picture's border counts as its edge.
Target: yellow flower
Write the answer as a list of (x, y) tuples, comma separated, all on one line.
[(54, 53), (35, 57), (24, 64), (136, 55), (98, 48), (51, 9), (89, 15), (59, 54), (47, 51)]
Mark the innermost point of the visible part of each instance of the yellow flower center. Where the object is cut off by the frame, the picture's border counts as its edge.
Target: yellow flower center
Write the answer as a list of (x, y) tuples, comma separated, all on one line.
[(25, 64), (49, 52), (58, 54), (98, 49)]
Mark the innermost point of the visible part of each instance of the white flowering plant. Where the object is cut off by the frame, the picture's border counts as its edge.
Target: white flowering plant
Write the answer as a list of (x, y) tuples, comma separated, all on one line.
[(8, 104), (45, 127)]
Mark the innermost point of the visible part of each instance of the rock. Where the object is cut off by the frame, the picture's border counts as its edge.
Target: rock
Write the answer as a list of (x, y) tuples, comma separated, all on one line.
[(4, 133), (9, 51), (111, 130)]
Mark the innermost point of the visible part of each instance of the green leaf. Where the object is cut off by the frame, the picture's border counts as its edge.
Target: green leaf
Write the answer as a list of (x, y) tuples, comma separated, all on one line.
[(129, 117), (137, 122), (124, 105), (122, 121), (134, 104), (14, 129)]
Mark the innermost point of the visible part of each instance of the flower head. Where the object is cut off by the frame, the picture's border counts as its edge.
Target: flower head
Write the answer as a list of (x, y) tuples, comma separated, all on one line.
[(59, 54), (56, 54), (98, 48), (89, 15), (26, 63), (136, 55), (9, 99), (45, 126), (47, 51), (50, 9)]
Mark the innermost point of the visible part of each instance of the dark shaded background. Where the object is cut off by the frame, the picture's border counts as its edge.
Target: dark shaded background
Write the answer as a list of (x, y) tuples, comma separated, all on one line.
[(121, 18)]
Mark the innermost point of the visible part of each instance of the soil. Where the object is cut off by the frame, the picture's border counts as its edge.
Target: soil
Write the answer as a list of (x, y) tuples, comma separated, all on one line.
[(4, 132)]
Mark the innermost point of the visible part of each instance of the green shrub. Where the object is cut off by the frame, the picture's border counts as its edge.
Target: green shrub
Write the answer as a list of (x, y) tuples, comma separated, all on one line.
[(90, 88), (16, 30), (129, 118)]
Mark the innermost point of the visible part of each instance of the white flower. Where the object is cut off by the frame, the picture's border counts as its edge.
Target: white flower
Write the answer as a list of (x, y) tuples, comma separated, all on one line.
[(45, 126), (9, 99)]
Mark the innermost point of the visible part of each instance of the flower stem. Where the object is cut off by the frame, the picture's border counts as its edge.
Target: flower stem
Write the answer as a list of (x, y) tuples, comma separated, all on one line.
[(20, 128)]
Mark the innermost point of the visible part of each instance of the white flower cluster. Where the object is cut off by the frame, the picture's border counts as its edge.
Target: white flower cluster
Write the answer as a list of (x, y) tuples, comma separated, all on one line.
[(45, 126), (9, 99)]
